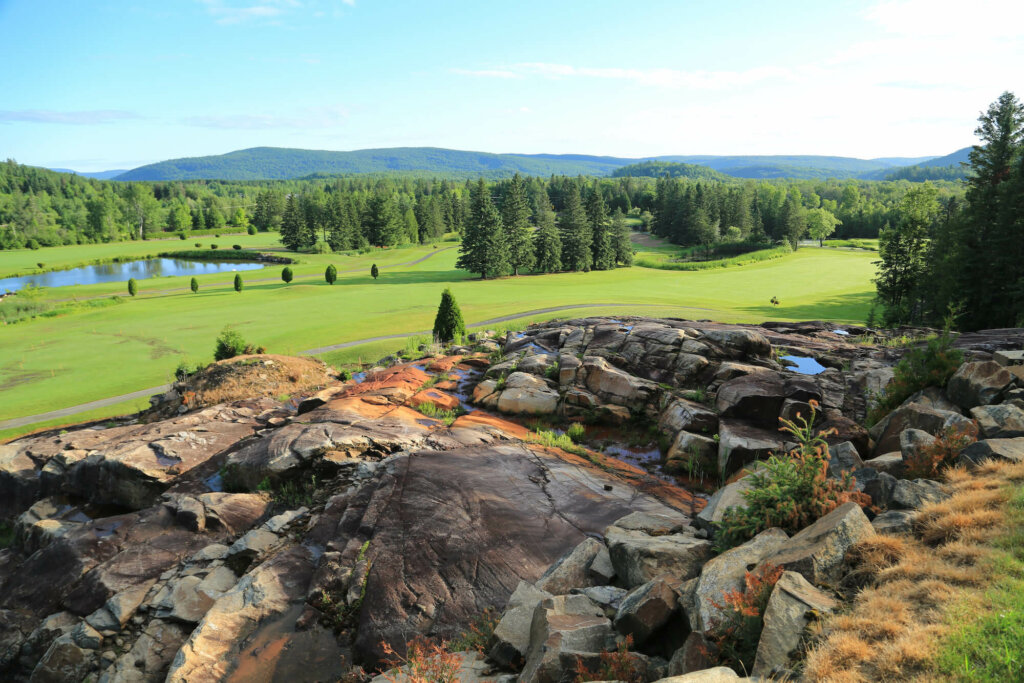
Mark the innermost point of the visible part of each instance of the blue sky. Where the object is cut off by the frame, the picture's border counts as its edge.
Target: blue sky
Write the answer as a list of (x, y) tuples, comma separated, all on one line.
[(102, 84)]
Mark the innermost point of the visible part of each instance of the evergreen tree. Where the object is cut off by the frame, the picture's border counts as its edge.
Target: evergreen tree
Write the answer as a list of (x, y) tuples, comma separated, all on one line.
[(238, 282), (902, 250), (602, 248), (286, 274), (291, 225), (331, 274), (374, 271), (382, 223), (339, 225), (194, 285), (575, 232), (484, 249), (621, 243), (448, 324), (515, 216), (548, 243), (792, 222), (132, 286)]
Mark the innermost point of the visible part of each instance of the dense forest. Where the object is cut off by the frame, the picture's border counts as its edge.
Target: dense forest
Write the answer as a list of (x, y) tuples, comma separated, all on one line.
[(961, 260), (45, 208)]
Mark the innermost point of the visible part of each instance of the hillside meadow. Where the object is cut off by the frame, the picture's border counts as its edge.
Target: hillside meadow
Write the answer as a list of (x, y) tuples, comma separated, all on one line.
[(51, 363)]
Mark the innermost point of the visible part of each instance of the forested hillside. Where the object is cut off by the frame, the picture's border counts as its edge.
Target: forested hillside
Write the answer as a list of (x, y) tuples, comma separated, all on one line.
[(668, 169), (269, 163)]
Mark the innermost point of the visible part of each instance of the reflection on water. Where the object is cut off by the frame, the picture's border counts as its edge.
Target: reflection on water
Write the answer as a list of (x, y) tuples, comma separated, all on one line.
[(122, 272)]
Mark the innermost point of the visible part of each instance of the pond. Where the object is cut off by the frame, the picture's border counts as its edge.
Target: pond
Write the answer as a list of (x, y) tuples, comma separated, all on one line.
[(122, 272)]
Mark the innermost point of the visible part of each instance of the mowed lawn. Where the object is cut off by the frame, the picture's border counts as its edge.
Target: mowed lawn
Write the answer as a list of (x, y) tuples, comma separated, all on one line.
[(52, 363)]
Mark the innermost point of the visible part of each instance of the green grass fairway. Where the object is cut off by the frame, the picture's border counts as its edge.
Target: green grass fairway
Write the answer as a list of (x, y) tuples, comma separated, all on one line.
[(52, 363)]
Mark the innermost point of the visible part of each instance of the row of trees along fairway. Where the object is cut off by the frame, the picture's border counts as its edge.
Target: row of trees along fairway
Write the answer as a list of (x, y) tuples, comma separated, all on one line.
[(498, 243), (963, 258)]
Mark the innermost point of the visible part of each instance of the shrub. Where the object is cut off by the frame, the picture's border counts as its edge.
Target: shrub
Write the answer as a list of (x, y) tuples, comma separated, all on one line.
[(32, 244), (238, 282), (576, 432), (185, 370), (213, 245), (229, 344), (194, 285), (424, 662), (789, 492), (928, 461), (448, 324), (286, 274), (236, 247), (181, 235), (331, 274), (374, 271), (616, 665), (40, 265), (198, 244), (132, 286), (251, 230), (930, 366), (480, 634), (738, 631)]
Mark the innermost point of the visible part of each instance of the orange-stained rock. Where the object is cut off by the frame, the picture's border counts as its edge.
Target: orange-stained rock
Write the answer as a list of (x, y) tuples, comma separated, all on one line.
[(397, 383), (444, 364), (438, 398)]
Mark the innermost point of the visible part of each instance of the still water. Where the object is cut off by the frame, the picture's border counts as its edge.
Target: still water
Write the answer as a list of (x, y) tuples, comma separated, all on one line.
[(122, 272)]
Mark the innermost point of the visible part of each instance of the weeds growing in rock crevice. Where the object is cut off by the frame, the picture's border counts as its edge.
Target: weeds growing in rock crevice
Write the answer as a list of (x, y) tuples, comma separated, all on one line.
[(738, 632), (945, 603), (929, 366), (792, 491), (616, 665)]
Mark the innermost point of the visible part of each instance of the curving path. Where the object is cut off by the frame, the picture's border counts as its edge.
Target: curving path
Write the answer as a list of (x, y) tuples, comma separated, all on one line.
[(143, 393)]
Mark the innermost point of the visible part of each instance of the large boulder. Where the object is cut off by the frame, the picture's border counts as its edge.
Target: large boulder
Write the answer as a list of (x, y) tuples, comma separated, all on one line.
[(759, 398), (690, 416), (1006, 450), (1002, 421), (979, 384), (572, 570), (912, 415), (693, 455), (512, 633), (617, 386), (527, 395), (818, 551), (725, 573), (638, 556), (740, 443), (647, 608), (785, 619), (890, 493), (567, 623)]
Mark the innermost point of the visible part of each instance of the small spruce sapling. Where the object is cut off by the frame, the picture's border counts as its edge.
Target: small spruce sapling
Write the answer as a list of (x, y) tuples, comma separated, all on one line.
[(238, 282), (448, 325), (194, 285), (132, 287), (374, 271)]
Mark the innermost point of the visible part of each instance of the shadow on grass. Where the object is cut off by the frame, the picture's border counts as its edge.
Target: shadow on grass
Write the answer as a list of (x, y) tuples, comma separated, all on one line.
[(852, 307)]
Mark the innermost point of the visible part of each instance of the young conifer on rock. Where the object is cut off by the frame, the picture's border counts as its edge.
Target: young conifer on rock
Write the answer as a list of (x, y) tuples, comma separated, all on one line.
[(448, 325)]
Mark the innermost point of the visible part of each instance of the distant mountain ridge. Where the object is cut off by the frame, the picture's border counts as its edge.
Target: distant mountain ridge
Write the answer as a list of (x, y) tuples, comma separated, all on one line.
[(98, 175), (278, 163)]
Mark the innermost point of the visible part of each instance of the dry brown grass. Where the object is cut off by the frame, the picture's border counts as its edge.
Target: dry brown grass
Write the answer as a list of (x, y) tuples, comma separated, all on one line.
[(891, 630), (245, 377)]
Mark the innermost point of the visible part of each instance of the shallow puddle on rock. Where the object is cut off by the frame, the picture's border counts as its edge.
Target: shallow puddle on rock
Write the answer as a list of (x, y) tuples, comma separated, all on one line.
[(804, 366)]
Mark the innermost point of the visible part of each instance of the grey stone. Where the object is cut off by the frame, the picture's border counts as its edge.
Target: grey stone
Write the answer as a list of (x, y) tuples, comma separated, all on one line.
[(818, 551), (601, 569), (570, 623), (890, 493), (894, 522), (1002, 421), (572, 569), (639, 557), (726, 572), (785, 619), (978, 384), (647, 608), (609, 597), (278, 522), (1006, 450), (512, 634)]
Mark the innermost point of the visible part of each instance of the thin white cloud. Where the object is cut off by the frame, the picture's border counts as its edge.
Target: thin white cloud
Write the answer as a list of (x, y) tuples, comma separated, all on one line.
[(660, 78), (270, 11), (487, 73), (319, 117), (74, 118)]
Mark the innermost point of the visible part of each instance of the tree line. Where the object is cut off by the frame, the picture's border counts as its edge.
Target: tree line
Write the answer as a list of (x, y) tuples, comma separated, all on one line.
[(962, 261), (39, 207)]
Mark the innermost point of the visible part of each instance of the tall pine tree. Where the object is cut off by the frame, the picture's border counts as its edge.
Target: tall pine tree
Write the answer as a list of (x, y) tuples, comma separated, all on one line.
[(547, 243), (575, 231), (620, 239), (484, 248), (515, 216), (601, 247), (291, 225)]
